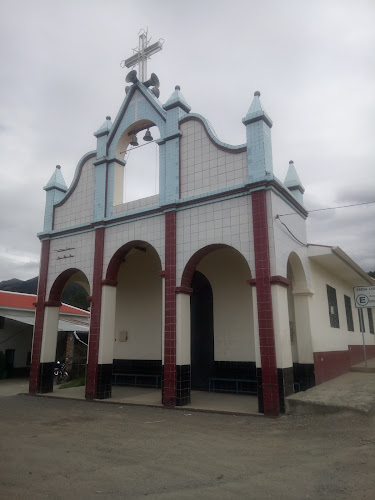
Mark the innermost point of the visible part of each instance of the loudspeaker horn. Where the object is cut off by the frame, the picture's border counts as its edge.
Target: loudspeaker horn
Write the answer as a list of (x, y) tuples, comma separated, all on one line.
[(131, 77), (153, 81)]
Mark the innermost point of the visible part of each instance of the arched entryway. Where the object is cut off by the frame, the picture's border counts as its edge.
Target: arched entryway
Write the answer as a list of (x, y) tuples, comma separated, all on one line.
[(134, 280), (222, 347), (61, 349)]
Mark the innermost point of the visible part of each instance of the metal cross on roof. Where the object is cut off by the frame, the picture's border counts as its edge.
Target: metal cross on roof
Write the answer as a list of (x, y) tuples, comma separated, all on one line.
[(142, 53)]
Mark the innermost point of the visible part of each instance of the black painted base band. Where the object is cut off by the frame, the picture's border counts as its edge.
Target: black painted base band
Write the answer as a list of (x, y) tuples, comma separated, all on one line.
[(183, 382), (260, 390), (304, 376), (104, 381), (45, 382), (286, 385)]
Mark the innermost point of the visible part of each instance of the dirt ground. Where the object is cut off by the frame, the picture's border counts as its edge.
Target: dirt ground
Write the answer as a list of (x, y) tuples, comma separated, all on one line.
[(59, 449)]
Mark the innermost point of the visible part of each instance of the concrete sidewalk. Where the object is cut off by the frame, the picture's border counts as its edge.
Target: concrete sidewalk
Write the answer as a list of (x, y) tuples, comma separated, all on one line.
[(354, 391), (235, 404)]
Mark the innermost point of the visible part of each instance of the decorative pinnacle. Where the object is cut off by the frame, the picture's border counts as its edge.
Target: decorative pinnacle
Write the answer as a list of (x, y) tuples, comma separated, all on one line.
[(291, 161), (177, 87), (58, 166), (107, 117), (257, 93)]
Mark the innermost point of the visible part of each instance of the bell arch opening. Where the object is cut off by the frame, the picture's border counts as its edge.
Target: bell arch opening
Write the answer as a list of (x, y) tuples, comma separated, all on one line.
[(139, 178)]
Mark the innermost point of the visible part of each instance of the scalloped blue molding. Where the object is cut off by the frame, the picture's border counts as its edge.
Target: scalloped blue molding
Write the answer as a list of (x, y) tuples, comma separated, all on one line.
[(211, 131)]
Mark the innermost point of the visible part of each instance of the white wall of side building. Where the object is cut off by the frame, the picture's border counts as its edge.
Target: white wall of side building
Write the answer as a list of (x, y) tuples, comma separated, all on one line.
[(18, 336), (325, 337)]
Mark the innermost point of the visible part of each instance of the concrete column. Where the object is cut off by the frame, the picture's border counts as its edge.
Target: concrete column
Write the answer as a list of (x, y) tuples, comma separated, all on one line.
[(162, 316), (107, 325), (284, 359), (34, 380), (48, 348), (50, 329), (183, 348), (302, 304), (96, 310), (106, 342), (281, 326), (258, 361)]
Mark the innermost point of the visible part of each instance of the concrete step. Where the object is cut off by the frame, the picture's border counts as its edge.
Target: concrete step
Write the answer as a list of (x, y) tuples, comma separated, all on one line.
[(354, 391), (363, 369)]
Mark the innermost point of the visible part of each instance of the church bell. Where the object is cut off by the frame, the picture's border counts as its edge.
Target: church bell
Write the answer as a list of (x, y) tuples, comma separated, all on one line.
[(134, 140), (148, 137)]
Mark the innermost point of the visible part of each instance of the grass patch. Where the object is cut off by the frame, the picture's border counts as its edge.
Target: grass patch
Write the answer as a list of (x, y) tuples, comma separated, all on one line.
[(77, 382)]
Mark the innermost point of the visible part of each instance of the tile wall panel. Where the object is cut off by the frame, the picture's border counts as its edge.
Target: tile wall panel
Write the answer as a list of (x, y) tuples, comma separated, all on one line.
[(205, 167)]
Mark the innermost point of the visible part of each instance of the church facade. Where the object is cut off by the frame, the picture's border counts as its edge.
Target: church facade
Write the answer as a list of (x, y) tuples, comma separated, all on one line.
[(208, 285)]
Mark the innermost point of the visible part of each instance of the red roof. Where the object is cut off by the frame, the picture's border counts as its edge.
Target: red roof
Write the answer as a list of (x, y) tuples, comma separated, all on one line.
[(27, 301)]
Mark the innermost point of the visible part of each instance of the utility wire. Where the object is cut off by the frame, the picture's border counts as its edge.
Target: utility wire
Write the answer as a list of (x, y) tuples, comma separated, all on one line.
[(136, 147), (317, 210), (289, 231), (329, 208)]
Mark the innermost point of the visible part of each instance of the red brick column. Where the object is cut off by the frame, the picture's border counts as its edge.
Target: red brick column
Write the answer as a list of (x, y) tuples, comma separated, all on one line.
[(264, 299), (169, 383), (96, 304), (39, 317)]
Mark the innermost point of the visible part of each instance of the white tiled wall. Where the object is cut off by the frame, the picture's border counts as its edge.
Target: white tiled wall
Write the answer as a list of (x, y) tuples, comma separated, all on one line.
[(281, 241), (82, 250), (79, 207), (205, 167), (228, 222), (151, 230), (150, 201)]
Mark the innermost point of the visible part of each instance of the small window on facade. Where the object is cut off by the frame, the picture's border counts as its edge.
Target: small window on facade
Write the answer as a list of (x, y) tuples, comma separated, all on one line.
[(332, 307), (2, 322), (349, 313), (361, 321), (370, 320)]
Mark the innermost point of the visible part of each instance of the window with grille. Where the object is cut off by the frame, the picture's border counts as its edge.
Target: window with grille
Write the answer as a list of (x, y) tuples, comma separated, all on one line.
[(370, 320), (349, 313), (332, 307)]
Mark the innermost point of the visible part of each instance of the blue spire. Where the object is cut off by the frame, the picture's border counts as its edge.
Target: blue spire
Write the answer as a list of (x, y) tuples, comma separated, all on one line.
[(256, 112), (105, 128), (293, 183), (56, 181), (177, 99)]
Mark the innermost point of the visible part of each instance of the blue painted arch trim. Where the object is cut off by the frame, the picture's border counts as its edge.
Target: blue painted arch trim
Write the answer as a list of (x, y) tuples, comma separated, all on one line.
[(154, 102), (77, 175)]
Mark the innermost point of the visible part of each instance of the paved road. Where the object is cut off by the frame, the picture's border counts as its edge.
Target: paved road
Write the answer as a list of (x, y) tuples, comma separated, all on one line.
[(58, 449)]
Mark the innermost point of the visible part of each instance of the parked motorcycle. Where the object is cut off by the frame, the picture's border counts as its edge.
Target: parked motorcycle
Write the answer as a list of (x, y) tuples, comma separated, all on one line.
[(60, 373)]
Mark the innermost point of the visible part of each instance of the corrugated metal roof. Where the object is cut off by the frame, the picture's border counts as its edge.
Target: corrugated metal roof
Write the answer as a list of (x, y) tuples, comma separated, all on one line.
[(26, 301), (70, 325)]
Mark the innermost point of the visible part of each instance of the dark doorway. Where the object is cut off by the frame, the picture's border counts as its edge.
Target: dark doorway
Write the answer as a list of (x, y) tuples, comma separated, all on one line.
[(202, 332)]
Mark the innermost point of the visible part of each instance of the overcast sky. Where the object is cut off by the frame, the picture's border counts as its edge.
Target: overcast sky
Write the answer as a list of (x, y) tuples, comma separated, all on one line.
[(313, 62)]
